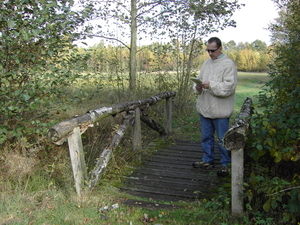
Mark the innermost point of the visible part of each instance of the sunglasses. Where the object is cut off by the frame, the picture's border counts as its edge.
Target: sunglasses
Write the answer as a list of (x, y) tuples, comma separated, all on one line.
[(210, 50)]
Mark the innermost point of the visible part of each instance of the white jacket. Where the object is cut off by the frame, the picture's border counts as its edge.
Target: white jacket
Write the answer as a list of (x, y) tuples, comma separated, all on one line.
[(217, 101)]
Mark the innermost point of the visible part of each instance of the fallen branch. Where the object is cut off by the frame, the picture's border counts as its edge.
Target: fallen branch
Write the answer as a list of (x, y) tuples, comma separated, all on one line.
[(287, 189), (152, 124), (106, 154)]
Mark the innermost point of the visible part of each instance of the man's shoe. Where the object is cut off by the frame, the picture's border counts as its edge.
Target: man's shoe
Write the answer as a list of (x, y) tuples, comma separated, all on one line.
[(223, 172), (203, 164)]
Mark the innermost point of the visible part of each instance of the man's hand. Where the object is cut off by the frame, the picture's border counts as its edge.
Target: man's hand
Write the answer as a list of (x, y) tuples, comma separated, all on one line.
[(205, 84), (199, 87)]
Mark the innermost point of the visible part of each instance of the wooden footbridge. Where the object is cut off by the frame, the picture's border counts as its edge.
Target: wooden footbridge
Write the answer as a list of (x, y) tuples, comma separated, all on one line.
[(168, 175)]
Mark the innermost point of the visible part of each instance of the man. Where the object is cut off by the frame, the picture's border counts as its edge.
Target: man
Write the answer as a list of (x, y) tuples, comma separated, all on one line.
[(215, 103)]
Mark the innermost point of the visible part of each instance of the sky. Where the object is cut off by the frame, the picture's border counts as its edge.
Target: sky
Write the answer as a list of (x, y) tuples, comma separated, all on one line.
[(251, 21)]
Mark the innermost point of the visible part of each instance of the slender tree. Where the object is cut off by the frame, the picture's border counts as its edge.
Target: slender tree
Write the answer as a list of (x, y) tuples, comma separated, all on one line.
[(153, 18)]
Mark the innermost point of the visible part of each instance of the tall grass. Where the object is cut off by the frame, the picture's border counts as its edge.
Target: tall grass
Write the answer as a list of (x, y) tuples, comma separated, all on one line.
[(41, 191), (249, 84)]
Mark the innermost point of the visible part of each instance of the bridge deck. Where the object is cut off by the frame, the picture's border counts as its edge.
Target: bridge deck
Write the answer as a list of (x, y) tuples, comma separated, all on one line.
[(169, 175)]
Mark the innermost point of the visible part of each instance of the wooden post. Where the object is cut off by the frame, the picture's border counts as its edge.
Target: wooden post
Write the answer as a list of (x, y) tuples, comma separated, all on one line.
[(237, 168), (137, 136), (169, 115), (235, 141), (77, 159)]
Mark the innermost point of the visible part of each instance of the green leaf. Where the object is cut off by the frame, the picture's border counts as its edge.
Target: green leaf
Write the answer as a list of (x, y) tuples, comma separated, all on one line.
[(26, 97), (11, 23), (267, 205), (259, 147)]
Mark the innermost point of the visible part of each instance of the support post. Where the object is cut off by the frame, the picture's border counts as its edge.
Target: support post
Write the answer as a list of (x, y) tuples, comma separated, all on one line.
[(237, 168), (235, 141), (168, 115), (137, 136), (77, 159)]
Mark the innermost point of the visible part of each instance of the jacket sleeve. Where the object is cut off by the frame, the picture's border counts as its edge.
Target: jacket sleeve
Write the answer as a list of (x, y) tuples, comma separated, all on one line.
[(226, 85)]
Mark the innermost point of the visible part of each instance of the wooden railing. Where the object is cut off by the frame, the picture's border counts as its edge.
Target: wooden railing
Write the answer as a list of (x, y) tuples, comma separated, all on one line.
[(72, 129), (235, 141)]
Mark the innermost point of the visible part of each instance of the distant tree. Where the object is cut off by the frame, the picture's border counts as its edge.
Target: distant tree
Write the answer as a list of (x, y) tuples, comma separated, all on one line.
[(247, 60), (153, 18), (231, 45), (231, 50), (259, 45), (243, 45)]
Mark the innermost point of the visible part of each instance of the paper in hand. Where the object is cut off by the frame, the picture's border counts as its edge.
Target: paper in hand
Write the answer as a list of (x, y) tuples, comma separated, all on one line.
[(196, 80)]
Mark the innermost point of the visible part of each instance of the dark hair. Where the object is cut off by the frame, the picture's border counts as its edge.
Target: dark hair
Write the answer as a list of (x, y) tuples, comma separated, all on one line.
[(215, 39)]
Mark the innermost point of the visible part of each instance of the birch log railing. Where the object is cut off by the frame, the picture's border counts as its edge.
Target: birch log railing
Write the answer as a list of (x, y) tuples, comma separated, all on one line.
[(234, 141), (72, 129)]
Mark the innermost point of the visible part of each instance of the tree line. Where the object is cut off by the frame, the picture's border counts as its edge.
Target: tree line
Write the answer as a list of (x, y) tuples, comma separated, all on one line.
[(102, 58)]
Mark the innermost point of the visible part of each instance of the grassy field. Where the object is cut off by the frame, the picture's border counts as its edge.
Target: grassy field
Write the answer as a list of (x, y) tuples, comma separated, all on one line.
[(249, 85), (46, 195)]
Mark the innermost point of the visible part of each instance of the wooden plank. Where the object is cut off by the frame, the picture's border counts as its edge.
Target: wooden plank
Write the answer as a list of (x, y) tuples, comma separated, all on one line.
[(178, 160), (184, 155), (157, 196), (173, 184), (178, 175), (168, 192), (146, 177), (169, 175)]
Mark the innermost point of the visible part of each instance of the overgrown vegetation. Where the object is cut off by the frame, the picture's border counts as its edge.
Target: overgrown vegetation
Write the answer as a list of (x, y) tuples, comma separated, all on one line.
[(43, 79), (274, 146)]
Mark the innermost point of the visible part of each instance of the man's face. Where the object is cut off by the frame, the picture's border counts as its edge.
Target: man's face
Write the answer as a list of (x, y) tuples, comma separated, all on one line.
[(213, 51)]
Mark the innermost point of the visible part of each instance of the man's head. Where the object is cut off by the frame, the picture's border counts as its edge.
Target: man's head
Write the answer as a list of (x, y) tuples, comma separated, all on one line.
[(214, 47)]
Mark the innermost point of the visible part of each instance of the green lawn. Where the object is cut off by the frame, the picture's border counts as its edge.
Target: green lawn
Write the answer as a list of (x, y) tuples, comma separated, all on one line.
[(249, 85)]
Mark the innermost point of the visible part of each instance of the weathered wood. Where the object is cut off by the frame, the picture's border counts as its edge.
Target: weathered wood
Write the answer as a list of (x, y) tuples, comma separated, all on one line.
[(77, 159), (62, 130), (137, 135), (234, 141), (165, 178), (106, 154), (169, 115), (234, 138), (237, 177), (152, 124)]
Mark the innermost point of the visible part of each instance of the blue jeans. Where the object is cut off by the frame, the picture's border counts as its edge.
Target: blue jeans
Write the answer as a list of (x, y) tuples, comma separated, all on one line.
[(208, 129)]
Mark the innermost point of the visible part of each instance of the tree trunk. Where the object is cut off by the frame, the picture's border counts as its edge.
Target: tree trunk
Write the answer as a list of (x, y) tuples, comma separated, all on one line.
[(133, 48)]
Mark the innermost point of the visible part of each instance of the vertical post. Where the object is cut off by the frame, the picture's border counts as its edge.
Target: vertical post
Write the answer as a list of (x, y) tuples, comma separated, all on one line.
[(237, 168), (77, 159), (169, 115), (137, 139)]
